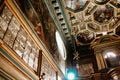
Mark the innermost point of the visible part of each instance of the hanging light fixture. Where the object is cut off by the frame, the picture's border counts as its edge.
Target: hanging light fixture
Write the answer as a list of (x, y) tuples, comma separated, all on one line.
[(76, 54)]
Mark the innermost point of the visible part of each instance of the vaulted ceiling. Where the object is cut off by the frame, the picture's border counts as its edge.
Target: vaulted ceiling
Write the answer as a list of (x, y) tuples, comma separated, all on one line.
[(84, 21), (81, 23)]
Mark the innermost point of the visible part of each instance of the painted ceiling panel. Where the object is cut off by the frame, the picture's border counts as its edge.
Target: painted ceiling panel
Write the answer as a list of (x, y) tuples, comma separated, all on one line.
[(96, 16)]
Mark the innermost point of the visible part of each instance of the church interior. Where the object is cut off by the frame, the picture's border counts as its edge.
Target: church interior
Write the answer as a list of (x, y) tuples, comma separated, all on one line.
[(59, 39)]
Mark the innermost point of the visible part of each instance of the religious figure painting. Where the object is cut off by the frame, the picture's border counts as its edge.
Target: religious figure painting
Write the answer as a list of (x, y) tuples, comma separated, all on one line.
[(42, 21)]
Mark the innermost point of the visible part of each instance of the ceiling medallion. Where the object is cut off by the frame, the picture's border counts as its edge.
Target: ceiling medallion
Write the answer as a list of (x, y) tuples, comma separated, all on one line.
[(90, 8), (85, 37), (76, 5), (93, 27), (97, 18), (103, 13)]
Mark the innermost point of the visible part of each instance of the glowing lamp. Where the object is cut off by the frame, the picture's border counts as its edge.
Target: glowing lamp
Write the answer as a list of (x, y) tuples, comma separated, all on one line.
[(71, 76)]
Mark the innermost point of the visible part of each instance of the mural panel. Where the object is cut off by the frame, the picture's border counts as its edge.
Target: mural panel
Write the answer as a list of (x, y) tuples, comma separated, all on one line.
[(38, 14), (12, 33), (40, 17), (85, 37), (104, 13)]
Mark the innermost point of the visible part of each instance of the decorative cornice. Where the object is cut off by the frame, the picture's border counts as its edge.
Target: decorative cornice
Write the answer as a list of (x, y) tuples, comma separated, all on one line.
[(1, 43), (17, 63)]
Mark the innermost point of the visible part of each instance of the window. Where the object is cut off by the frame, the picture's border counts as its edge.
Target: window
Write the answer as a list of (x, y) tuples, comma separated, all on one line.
[(61, 46)]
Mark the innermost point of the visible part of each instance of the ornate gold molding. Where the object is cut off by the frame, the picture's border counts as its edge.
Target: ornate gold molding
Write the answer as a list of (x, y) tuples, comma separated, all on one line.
[(1, 43)]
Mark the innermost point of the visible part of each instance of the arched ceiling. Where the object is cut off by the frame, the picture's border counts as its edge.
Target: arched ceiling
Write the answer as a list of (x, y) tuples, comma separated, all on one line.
[(84, 21), (81, 22), (90, 19)]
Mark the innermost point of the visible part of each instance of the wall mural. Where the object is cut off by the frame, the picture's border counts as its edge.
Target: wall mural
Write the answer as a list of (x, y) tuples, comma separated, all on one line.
[(39, 15), (12, 33), (32, 16)]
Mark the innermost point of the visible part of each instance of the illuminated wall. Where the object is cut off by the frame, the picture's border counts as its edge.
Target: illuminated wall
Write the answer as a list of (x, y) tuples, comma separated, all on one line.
[(16, 38)]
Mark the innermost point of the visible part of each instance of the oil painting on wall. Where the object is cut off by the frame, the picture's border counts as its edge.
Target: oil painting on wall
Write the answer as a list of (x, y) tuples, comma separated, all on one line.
[(38, 14)]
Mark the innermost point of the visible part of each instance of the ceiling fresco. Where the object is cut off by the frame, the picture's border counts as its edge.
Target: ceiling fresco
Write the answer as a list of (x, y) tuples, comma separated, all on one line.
[(85, 37), (103, 13), (93, 26), (88, 21), (98, 17), (76, 5)]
